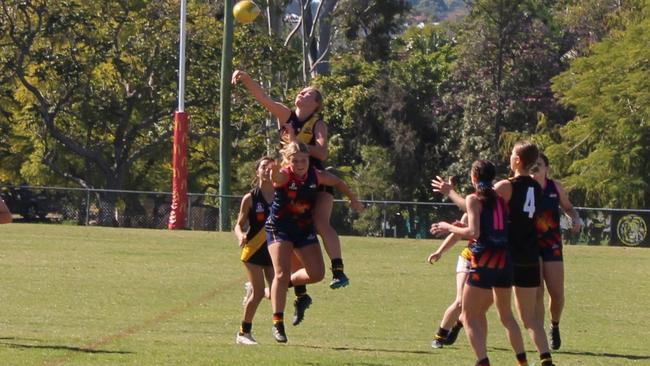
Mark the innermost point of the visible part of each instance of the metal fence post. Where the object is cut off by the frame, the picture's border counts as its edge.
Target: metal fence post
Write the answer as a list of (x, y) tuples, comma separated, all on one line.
[(383, 225), (87, 206), (189, 211)]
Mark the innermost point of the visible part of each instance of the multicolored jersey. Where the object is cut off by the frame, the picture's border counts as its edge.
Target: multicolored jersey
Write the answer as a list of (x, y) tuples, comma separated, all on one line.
[(491, 265), (524, 207), (293, 203), (256, 235), (548, 219), (304, 131), (494, 228)]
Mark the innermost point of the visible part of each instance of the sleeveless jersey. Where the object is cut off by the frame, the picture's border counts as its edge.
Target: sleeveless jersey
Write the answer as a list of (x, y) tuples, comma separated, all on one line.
[(304, 131), (494, 228), (548, 220), (293, 203), (524, 208), (257, 216)]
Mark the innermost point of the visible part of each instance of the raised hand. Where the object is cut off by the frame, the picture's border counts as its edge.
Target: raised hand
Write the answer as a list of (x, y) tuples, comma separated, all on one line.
[(439, 185)]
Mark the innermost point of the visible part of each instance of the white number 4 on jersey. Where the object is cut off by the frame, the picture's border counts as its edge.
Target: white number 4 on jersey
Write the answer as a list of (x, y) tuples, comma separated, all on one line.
[(529, 204)]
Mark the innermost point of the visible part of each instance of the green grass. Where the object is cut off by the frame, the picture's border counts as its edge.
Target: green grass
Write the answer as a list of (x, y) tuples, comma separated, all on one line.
[(100, 296)]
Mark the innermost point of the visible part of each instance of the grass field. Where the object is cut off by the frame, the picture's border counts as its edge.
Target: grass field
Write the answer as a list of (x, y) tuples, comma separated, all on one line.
[(99, 296)]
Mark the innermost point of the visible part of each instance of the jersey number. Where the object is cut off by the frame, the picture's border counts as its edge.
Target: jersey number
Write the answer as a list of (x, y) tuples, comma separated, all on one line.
[(529, 204)]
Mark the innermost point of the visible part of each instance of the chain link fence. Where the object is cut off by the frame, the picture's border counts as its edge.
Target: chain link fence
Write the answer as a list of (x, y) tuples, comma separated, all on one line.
[(145, 209)]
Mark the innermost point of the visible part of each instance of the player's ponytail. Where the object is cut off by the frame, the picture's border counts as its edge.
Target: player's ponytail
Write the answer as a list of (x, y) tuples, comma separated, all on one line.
[(484, 172)]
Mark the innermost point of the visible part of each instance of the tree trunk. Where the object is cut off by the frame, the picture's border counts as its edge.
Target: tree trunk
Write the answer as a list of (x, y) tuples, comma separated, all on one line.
[(307, 23), (275, 12), (324, 37)]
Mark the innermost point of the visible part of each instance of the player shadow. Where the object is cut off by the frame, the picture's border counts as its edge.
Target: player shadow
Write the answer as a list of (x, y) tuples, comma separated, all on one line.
[(368, 350), (56, 347), (604, 354), (594, 354)]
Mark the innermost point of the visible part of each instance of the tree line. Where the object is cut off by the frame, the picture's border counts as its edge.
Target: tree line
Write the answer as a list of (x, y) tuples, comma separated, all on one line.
[(88, 91)]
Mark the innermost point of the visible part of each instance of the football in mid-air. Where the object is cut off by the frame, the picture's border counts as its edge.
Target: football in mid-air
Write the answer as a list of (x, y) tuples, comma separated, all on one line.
[(245, 11)]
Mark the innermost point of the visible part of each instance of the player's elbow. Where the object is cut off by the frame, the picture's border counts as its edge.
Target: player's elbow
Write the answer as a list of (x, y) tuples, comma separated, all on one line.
[(473, 232)]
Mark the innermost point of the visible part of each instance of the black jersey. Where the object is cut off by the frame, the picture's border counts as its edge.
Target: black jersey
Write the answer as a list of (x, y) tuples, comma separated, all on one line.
[(524, 206), (255, 250), (258, 213), (298, 126)]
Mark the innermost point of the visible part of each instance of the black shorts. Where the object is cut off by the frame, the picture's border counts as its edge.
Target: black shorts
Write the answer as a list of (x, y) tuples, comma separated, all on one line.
[(261, 257), (552, 253), (299, 239), (526, 275)]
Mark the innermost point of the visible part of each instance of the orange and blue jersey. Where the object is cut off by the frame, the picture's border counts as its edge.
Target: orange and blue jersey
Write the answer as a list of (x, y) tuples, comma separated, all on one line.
[(547, 223), (293, 203), (491, 265)]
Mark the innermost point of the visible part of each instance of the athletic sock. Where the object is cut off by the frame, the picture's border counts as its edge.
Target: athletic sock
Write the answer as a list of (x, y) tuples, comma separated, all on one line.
[(546, 359), (483, 362), (278, 318), (337, 266), (245, 327), (521, 359), (459, 324), (300, 290), (442, 334), (555, 324)]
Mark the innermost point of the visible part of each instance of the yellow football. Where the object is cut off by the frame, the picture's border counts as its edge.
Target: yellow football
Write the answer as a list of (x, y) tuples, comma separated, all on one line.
[(245, 11)]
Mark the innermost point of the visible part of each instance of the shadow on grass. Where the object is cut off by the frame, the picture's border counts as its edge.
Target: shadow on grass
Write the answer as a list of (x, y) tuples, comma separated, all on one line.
[(56, 347), (603, 354), (367, 350), (594, 354)]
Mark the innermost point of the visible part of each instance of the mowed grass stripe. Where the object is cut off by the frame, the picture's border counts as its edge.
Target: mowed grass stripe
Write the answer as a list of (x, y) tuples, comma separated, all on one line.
[(104, 296)]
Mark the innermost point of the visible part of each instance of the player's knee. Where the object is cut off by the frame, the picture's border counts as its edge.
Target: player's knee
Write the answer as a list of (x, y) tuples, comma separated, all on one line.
[(316, 274), (282, 276), (458, 304), (258, 295)]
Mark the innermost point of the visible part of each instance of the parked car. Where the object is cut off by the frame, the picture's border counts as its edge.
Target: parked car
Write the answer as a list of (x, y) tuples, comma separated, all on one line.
[(29, 204)]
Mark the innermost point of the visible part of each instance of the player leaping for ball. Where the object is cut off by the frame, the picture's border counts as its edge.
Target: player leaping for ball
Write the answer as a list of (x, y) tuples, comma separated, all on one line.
[(304, 125), (290, 226)]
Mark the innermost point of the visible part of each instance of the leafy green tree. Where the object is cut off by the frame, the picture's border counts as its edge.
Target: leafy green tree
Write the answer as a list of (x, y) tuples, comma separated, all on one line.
[(507, 54), (391, 104), (369, 26), (604, 152)]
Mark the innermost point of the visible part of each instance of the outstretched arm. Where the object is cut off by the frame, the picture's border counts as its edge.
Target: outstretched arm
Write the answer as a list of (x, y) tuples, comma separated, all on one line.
[(279, 110), (447, 188), (567, 206), (473, 229), (449, 241), (329, 179)]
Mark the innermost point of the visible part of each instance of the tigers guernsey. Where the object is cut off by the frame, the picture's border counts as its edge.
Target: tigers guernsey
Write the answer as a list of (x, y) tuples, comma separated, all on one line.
[(253, 213)]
